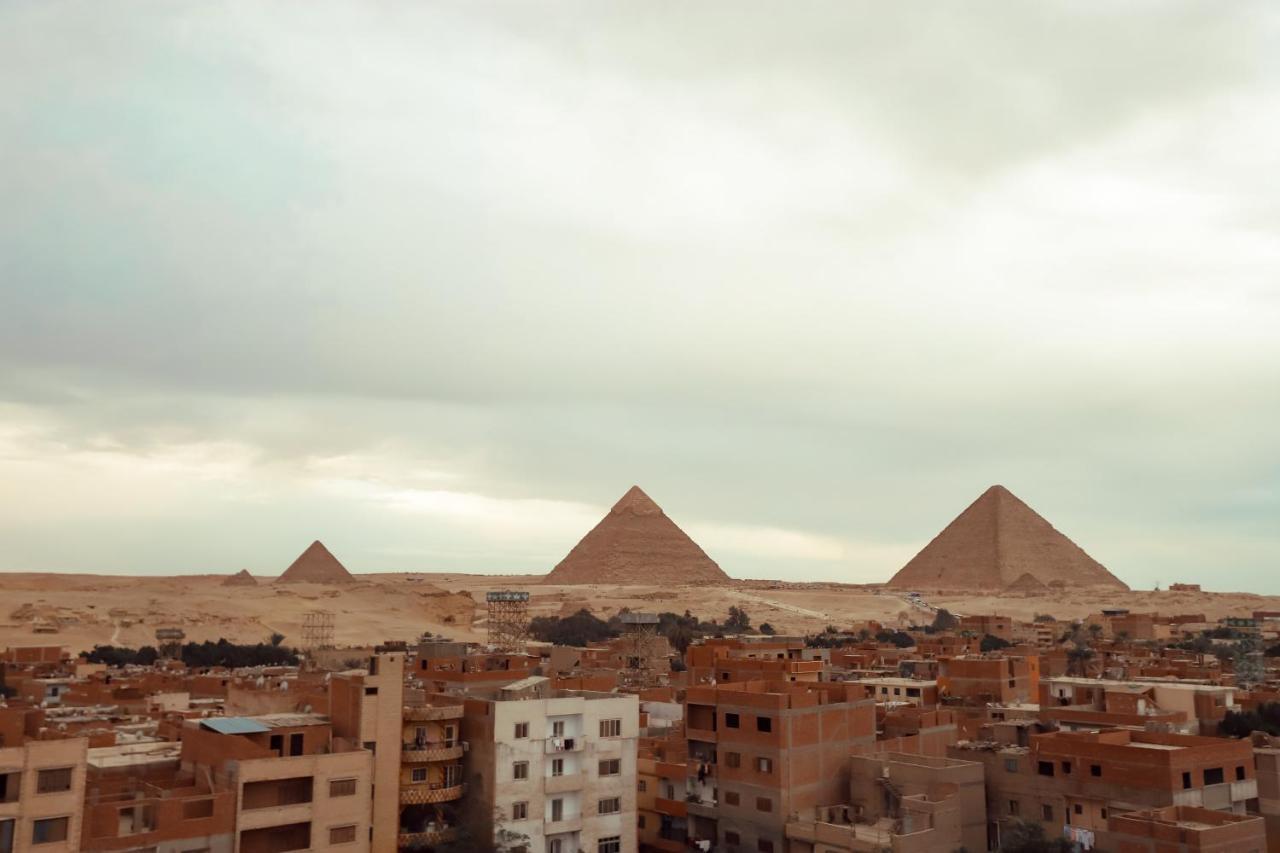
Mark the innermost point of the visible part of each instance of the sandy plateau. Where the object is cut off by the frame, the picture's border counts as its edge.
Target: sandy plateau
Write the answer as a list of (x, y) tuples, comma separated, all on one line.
[(79, 611)]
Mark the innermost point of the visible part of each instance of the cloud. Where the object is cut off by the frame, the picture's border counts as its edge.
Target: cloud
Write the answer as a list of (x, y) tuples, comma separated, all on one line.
[(438, 282)]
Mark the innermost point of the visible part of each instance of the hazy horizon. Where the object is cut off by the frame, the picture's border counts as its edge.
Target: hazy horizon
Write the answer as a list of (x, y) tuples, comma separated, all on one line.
[(436, 283)]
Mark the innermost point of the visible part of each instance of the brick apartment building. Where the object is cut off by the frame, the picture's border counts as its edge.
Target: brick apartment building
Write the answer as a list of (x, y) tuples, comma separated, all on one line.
[(760, 751), (1078, 779)]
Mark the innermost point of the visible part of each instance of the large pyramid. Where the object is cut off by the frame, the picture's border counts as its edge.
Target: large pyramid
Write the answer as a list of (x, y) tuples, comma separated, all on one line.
[(993, 543), (636, 544), (316, 565)]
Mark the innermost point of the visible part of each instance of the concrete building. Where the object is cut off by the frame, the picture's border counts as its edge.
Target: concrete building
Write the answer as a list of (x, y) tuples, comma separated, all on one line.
[(897, 802), (42, 795), (1182, 829), (297, 786), (1203, 705), (1078, 779), (553, 770), (761, 751)]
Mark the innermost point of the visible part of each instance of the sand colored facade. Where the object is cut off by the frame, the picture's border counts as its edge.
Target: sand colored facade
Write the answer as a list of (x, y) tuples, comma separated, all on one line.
[(42, 795)]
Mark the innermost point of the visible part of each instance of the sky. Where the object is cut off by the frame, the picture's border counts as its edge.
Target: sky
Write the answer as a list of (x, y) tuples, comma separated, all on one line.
[(437, 282)]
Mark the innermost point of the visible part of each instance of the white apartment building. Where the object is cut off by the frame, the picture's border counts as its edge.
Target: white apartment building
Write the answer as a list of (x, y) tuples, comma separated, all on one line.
[(555, 768)]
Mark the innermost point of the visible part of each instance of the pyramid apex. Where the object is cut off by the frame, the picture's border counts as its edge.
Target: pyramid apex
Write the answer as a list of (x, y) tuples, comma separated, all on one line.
[(636, 500)]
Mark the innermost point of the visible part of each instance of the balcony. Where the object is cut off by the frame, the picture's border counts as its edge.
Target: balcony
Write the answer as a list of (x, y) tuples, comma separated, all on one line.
[(413, 753), (704, 735), (672, 808), (557, 745), (565, 824), (560, 784), (426, 839), (426, 713), (424, 793)]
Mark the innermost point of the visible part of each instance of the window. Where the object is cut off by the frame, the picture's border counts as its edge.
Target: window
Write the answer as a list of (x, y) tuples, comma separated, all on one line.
[(1066, 768), (610, 728), (557, 809), (557, 767), (49, 830), (1186, 780), (418, 774), (342, 834), (1079, 809), (1045, 768), (295, 743), (640, 821), (557, 728), (520, 811), (1015, 808), (368, 691), (764, 846), (520, 770), (731, 837), (730, 721), (1214, 776), (1046, 812), (732, 759), (1240, 773), (1011, 765), (764, 804), (612, 844), (9, 786), (610, 767), (764, 765), (609, 805), (1095, 769), (730, 798), (342, 787), (642, 786), (1104, 814), (53, 781), (764, 724), (522, 730)]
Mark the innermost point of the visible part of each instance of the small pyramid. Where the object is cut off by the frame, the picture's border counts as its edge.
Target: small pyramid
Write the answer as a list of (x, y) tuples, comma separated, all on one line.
[(1027, 583), (996, 541), (240, 578), (636, 543), (316, 565)]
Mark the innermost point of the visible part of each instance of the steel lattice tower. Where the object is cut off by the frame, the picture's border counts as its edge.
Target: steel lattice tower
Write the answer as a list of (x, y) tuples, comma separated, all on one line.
[(640, 645), (508, 620), (317, 630)]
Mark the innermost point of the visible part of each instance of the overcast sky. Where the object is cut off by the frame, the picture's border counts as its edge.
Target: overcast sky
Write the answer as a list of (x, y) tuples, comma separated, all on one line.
[(436, 282)]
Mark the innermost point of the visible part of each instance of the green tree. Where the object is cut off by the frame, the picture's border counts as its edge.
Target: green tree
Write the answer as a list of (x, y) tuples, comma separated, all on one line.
[(738, 621), (992, 643), (767, 629), (1026, 836)]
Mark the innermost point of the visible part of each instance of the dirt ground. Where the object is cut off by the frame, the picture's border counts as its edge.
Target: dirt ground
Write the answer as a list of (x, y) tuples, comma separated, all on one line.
[(97, 609)]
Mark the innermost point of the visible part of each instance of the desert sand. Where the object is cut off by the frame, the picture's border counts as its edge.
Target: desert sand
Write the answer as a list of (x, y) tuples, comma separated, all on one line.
[(95, 609)]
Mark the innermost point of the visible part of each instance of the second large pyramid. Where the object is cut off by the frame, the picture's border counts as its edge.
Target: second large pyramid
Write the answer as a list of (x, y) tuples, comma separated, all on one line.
[(994, 544), (636, 543)]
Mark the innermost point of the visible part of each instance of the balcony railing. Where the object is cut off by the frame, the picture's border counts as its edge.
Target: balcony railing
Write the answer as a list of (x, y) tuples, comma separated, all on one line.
[(422, 793), (420, 752), (563, 744), (426, 838), (426, 713)]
